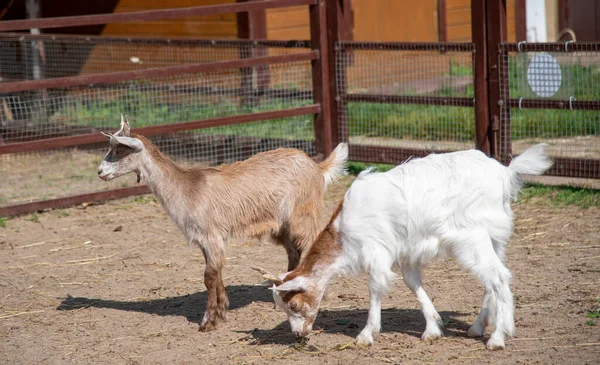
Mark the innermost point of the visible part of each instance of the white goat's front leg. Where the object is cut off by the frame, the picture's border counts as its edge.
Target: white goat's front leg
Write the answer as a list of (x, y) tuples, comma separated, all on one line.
[(412, 278), (373, 326)]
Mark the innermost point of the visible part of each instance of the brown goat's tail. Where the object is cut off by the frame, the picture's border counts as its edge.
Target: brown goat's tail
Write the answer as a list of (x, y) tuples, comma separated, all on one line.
[(334, 166)]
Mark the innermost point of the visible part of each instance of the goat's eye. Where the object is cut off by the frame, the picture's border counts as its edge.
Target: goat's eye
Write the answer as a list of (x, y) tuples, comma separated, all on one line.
[(293, 305), (121, 150)]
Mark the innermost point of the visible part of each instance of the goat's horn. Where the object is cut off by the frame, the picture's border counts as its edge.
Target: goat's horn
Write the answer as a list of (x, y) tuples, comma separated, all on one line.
[(267, 275), (107, 135)]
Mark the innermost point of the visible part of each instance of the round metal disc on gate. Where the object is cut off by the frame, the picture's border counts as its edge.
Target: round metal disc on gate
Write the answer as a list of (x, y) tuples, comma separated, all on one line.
[(544, 75)]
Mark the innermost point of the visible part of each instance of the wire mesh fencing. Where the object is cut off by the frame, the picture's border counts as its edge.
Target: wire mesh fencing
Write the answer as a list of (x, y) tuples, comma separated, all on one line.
[(27, 57), (410, 96), (70, 111), (551, 94)]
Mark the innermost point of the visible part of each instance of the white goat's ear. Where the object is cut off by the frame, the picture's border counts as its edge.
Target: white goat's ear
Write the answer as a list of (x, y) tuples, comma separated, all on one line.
[(296, 284), (134, 143), (125, 130)]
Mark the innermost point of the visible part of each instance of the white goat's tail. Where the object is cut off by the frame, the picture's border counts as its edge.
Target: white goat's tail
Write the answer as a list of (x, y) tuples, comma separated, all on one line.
[(334, 166), (533, 161)]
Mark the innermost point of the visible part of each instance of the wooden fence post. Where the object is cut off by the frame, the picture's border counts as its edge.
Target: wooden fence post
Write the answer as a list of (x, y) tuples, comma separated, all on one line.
[(323, 36), (488, 27)]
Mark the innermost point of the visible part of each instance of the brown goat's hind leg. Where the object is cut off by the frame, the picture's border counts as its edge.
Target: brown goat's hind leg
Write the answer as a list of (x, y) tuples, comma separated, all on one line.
[(222, 300)]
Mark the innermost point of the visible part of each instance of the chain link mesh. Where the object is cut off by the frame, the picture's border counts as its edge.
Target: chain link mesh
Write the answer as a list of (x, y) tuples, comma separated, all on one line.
[(555, 80), (34, 115), (396, 73)]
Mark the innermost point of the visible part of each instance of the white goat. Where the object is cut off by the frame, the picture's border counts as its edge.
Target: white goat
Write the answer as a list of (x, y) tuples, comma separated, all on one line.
[(277, 193), (455, 203)]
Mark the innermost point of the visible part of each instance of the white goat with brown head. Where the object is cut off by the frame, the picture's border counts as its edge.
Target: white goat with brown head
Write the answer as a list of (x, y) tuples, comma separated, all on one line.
[(276, 193), (456, 203)]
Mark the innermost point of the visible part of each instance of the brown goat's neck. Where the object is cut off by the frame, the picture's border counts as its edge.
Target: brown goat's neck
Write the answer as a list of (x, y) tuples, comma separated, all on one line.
[(159, 172), (322, 256)]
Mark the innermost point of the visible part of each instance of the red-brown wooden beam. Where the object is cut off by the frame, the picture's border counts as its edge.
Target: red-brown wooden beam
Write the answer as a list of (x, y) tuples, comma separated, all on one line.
[(387, 155), (89, 138), (409, 99), (442, 21), (521, 20), (554, 104), (408, 46), (72, 200), (116, 77), (153, 41), (480, 84), (322, 73), (139, 16)]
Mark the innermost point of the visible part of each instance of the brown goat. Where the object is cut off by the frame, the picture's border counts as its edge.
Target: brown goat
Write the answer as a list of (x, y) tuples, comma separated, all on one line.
[(275, 193)]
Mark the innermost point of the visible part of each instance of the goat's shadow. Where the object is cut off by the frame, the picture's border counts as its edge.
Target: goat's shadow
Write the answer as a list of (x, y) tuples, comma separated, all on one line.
[(351, 322), (190, 306), (347, 322)]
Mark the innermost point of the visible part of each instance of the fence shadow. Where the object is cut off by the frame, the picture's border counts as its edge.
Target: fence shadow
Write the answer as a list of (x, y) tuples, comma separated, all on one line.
[(190, 306), (351, 322)]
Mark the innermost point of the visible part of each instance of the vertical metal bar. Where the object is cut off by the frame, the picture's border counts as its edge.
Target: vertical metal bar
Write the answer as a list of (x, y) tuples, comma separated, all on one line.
[(503, 141), (479, 38), (441, 18), (321, 76), (496, 34)]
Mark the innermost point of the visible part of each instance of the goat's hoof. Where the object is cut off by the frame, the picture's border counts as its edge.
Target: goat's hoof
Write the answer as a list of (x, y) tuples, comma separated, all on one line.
[(364, 339), (431, 336), (495, 343), (207, 326), (475, 331)]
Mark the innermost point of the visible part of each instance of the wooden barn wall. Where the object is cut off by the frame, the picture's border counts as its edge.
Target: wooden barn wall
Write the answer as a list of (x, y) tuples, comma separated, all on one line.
[(374, 20), (458, 20), (221, 26), (395, 20)]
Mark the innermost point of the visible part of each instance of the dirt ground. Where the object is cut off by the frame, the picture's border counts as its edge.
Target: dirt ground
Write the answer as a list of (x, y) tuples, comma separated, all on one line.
[(116, 283)]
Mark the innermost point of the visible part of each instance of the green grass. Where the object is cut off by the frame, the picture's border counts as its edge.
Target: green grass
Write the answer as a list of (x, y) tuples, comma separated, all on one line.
[(420, 122), (355, 168), (33, 218), (2, 222), (561, 196), (594, 315), (144, 111), (144, 199)]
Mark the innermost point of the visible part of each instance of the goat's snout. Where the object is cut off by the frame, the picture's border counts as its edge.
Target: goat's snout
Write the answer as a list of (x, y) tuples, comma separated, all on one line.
[(102, 174)]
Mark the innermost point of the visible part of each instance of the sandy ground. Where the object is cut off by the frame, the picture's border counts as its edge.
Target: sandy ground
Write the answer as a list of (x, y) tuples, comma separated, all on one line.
[(116, 283)]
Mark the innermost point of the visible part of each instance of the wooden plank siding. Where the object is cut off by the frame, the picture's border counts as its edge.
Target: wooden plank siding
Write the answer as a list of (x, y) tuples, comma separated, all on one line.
[(288, 23), (219, 26), (395, 20), (458, 21)]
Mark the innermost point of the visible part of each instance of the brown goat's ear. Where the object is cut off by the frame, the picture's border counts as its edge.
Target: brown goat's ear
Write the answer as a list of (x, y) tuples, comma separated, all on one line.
[(298, 284), (267, 275)]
